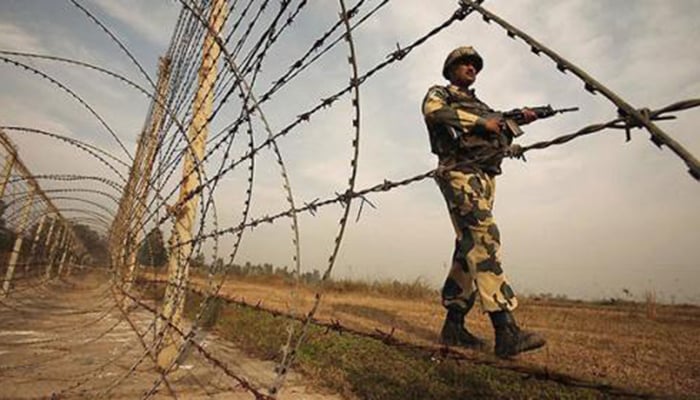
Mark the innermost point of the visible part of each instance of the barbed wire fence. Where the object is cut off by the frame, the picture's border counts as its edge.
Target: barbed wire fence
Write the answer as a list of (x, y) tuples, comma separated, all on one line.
[(209, 81), (35, 233)]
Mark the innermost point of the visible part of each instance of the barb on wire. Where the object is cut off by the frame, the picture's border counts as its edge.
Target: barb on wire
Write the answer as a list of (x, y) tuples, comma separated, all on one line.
[(633, 116), (439, 352), (363, 200), (149, 197)]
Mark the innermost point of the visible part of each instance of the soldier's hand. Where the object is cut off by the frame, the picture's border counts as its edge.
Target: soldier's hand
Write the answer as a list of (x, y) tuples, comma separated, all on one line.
[(529, 115), (493, 125), (515, 151)]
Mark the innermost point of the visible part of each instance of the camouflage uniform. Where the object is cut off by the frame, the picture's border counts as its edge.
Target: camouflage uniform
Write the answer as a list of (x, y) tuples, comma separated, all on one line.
[(469, 159)]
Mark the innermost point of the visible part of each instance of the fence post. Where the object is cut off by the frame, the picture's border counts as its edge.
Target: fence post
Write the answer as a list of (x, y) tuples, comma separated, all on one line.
[(149, 143), (57, 243), (35, 242), (185, 210), (71, 260), (66, 249), (47, 247), (6, 172), (26, 208)]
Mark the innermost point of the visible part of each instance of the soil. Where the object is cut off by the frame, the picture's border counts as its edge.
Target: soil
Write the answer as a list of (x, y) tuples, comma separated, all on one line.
[(646, 348), (68, 339)]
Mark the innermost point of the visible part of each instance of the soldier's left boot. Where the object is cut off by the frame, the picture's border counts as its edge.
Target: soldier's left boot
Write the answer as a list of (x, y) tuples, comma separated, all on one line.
[(454, 333)]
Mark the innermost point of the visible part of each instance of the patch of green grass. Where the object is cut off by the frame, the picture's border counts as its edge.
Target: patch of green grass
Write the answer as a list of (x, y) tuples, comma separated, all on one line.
[(369, 369), (364, 368)]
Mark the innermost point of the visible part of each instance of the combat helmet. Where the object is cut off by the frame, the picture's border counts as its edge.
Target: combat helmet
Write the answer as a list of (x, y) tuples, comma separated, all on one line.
[(460, 53)]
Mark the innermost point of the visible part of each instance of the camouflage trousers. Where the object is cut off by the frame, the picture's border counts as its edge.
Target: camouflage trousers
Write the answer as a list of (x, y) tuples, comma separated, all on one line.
[(476, 264)]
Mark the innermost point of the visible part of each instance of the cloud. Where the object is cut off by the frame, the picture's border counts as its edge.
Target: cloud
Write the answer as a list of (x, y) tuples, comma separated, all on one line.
[(593, 210), (13, 37), (147, 19)]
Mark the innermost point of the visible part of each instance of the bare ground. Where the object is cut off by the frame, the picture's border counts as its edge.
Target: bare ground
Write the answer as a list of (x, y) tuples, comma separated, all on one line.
[(68, 339)]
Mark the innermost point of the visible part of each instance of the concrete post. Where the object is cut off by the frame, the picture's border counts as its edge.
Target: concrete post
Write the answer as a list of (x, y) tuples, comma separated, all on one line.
[(60, 238), (71, 261), (35, 242), (66, 250), (6, 173), (26, 208), (185, 214), (141, 188), (47, 247)]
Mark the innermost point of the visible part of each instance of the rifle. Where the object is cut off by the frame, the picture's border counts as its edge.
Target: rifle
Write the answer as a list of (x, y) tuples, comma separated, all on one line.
[(511, 120)]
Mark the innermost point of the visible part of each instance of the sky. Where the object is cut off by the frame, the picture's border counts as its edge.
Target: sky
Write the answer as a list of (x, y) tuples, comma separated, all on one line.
[(589, 219)]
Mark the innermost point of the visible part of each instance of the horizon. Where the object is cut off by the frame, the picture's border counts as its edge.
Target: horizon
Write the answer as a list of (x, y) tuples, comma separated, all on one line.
[(588, 219)]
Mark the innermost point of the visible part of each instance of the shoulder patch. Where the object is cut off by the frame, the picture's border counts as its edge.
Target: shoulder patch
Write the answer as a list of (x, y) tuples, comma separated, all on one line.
[(439, 91)]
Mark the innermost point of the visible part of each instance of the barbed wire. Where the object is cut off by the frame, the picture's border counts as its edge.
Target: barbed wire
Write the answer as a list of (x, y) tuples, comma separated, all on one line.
[(116, 40), (73, 94), (291, 348), (386, 185), (633, 117), (432, 352), (207, 355), (256, 31)]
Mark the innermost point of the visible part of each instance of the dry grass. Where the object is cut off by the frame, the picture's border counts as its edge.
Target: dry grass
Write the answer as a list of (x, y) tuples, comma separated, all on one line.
[(418, 289), (359, 367), (646, 347), (617, 344), (650, 300)]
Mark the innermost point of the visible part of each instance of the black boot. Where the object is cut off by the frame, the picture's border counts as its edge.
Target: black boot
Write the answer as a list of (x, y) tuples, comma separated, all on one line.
[(454, 333), (510, 339)]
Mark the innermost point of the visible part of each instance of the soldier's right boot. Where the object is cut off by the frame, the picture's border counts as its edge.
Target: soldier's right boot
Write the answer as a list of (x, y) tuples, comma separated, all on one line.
[(454, 333), (510, 339)]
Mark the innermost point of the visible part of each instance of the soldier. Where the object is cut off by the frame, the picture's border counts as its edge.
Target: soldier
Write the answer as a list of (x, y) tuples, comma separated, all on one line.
[(470, 146)]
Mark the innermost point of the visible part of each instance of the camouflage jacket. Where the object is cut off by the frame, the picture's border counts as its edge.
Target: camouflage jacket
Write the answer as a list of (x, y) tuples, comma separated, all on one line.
[(455, 119)]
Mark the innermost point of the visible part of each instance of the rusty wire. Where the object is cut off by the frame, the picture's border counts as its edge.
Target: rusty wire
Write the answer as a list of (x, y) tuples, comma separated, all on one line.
[(240, 77), (432, 352), (632, 116)]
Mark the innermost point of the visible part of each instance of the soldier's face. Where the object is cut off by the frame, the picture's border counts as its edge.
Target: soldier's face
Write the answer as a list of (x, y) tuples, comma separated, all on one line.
[(463, 73)]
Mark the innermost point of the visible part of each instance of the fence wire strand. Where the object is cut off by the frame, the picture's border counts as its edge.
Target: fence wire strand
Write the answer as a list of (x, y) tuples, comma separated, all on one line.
[(61, 224)]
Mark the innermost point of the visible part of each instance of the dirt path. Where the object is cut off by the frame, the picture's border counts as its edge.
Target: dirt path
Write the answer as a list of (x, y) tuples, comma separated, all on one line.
[(69, 340)]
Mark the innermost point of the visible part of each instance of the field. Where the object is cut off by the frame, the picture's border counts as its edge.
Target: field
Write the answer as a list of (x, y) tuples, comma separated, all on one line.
[(634, 350)]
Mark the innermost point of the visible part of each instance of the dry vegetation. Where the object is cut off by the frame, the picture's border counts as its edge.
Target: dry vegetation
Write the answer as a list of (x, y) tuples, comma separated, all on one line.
[(606, 342)]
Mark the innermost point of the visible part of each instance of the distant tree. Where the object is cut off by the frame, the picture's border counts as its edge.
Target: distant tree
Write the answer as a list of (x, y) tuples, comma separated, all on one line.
[(267, 269), (95, 244), (283, 272), (311, 276), (198, 262), (235, 269), (219, 265), (152, 251), (247, 268)]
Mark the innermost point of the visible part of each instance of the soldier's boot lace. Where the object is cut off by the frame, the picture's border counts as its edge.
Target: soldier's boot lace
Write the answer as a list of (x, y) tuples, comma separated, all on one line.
[(510, 339)]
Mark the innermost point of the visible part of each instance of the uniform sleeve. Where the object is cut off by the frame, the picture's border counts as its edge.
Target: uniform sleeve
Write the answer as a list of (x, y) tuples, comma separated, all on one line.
[(437, 111)]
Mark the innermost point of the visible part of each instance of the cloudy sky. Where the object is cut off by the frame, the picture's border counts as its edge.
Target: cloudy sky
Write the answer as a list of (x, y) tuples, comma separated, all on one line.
[(587, 219)]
